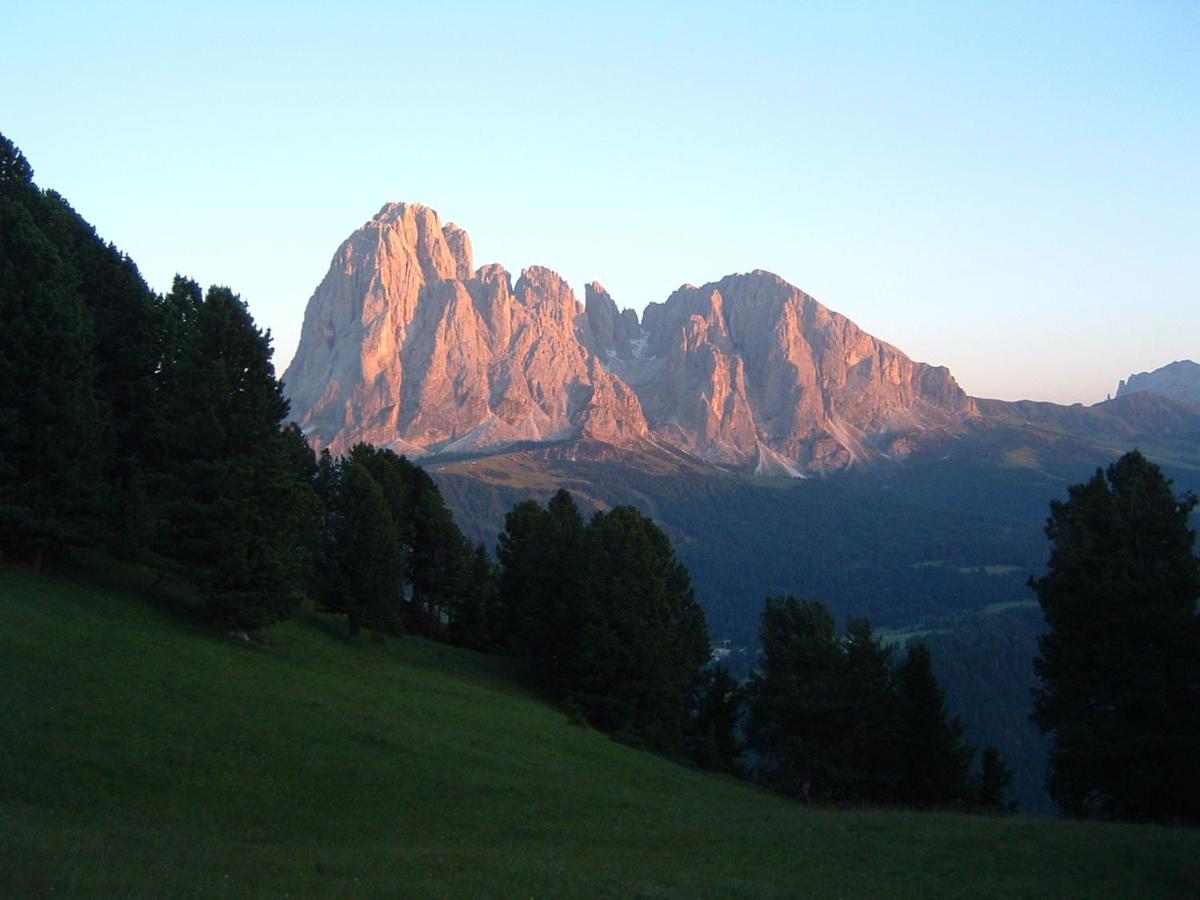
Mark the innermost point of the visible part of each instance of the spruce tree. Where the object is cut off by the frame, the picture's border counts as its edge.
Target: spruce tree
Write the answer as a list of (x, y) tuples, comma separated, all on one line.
[(713, 741), (989, 790), (438, 558), (797, 713), (875, 727), (369, 587), (521, 550), (934, 756), (233, 507), (49, 472), (644, 642), (1119, 666), (471, 616)]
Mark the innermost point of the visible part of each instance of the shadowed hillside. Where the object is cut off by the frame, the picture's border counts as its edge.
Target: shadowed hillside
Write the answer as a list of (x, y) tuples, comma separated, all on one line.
[(316, 767)]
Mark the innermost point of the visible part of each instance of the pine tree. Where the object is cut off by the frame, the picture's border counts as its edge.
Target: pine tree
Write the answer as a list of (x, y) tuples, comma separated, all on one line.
[(875, 727), (549, 612), (118, 332), (1119, 666), (370, 562), (438, 558), (713, 741), (127, 325), (232, 505), (644, 641), (520, 551), (15, 171), (471, 617), (795, 713), (989, 791), (934, 756), (48, 418), (831, 720)]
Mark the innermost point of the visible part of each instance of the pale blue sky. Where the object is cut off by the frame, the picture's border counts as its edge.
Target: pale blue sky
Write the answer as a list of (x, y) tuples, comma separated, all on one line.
[(1008, 189)]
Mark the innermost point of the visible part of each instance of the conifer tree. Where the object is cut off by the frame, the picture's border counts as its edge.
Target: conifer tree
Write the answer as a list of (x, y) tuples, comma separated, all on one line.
[(127, 326), (470, 619), (644, 641), (520, 551), (369, 583), (989, 791), (874, 725), (830, 719), (438, 558), (551, 616), (1119, 666), (121, 340), (232, 505), (795, 713), (48, 417), (934, 756), (713, 741), (15, 172)]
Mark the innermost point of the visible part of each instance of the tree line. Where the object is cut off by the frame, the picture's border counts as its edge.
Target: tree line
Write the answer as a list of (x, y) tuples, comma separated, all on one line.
[(147, 425), (838, 719)]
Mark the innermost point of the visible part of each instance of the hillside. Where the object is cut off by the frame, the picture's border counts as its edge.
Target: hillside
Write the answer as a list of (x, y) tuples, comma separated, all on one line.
[(144, 754), (911, 544)]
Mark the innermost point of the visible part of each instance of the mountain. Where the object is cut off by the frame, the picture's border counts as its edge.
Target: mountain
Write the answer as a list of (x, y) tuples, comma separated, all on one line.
[(514, 390), (406, 345), (1178, 380)]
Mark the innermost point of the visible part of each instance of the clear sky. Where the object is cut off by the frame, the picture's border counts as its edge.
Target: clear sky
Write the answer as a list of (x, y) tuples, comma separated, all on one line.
[(1009, 189)]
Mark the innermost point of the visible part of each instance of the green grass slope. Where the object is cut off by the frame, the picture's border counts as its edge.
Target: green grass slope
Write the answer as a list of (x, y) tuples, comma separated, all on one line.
[(141, 754)]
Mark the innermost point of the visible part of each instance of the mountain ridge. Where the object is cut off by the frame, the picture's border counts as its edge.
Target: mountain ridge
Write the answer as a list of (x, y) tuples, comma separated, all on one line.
[(1179, 380), (406, 345)]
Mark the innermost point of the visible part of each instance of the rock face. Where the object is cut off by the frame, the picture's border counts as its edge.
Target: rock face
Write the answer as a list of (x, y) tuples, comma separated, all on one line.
[(752, 372), (1177, 381), (405, 345)]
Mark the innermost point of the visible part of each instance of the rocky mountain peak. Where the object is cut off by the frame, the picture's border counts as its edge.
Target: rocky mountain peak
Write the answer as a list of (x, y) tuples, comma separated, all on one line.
[(459, 243), (1179, 380), (405, 345), (612, 333)]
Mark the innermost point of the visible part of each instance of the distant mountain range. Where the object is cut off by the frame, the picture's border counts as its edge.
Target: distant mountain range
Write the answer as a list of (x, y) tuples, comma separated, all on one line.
[(406, 345)]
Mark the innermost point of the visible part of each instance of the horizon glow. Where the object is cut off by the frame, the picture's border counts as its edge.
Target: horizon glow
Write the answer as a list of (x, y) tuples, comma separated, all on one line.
[(1011, 192)]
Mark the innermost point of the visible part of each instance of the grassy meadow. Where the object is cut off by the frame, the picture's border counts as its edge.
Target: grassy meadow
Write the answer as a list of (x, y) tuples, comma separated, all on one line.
[(143, 754)]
